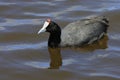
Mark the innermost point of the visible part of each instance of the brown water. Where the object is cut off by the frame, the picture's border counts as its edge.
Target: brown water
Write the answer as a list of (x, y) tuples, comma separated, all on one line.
[(24, 54)]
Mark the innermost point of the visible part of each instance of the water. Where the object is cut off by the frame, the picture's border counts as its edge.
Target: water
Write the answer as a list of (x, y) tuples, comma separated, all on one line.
[(24, 54)]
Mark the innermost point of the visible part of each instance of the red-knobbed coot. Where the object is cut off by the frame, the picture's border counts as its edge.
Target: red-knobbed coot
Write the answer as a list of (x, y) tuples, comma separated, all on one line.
[(78, 33)]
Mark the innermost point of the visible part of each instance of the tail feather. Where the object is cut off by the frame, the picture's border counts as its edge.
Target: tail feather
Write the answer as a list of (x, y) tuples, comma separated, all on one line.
[(95, 18)]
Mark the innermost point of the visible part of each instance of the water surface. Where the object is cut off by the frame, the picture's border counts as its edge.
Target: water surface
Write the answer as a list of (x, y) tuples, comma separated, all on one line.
[(24, 54)]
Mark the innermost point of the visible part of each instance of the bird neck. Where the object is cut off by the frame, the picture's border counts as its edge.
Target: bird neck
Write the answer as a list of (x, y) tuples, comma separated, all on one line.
[(54, 39)]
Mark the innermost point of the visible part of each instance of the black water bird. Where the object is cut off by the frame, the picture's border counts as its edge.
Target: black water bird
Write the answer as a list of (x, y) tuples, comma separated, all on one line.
[(78, 33)]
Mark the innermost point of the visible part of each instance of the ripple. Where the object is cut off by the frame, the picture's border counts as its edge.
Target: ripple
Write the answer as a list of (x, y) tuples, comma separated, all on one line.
[(26, 3), (36, 64), (16, 22), (97, 56), (68, 61), (6, 3), (113, 48), (2, 28), (105, 74), (115, 36), (14, 47), (37, 14)]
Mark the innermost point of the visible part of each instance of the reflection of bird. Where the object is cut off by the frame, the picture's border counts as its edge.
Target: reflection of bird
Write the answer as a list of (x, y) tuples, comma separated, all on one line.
[(55, 57), (79, 33)]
